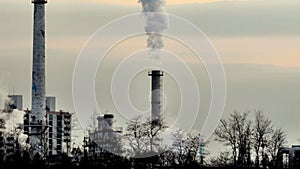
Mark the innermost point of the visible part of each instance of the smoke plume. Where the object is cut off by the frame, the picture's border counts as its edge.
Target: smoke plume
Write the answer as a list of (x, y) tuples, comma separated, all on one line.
[(156, 22), (13, 125), (13, 121)]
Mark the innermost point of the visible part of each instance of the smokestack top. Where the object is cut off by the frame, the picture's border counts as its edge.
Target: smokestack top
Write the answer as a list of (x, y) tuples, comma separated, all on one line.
[(156, 73), (109, 118), (39, 1), (106, 116)]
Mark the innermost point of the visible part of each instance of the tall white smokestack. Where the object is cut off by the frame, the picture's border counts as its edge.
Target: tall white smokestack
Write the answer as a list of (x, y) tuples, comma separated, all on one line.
[(37, 120)]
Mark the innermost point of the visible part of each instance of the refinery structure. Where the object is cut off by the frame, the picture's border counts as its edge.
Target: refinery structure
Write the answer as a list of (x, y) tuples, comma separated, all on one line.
[(40, 119), (58, 138), (59, 125), (49, 130), (103, 138)]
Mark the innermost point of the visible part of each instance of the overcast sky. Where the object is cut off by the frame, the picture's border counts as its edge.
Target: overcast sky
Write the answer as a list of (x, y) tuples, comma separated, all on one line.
[(257, 40)]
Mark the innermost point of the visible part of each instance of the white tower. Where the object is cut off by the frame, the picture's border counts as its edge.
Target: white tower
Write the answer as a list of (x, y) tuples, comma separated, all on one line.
[(38, 112)]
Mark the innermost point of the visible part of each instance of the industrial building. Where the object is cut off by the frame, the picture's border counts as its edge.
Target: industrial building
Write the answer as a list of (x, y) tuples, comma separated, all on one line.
[(59, 131), (58, 139), (8, 146), (104, 138), (17, 102), (289, 157)]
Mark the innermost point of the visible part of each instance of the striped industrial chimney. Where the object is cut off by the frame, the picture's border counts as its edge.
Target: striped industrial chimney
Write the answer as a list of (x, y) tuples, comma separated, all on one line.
[(156, 95), (38, 112)]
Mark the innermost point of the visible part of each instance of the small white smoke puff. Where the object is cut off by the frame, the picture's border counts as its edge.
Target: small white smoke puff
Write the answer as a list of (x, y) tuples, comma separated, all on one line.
[(13, 123), (12, 119)]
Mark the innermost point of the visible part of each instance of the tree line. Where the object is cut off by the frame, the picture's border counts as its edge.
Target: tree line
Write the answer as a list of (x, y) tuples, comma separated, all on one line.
[(141, 146), (251, 143)]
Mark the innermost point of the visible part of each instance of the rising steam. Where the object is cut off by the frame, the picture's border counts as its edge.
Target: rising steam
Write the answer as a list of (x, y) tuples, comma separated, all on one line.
[(156, 22), (13, 121)]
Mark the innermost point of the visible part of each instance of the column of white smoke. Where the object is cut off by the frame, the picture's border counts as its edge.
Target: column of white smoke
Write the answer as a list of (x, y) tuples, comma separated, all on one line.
[(156, 22), (13, 122)]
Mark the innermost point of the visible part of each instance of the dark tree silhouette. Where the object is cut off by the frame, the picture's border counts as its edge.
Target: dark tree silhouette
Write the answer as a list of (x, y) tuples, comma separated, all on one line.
[(185, 147), (153, 132), (135, 135), (235, 132), (243, 137), (262, 129), (144, 137), (277, 140)]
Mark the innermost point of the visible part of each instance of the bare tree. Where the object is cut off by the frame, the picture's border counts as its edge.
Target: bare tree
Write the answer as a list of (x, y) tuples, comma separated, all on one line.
[(192, 146), (135, 134), (226, 134), (262, 130), (239, 133), (178, 146), (144, 137), (153, 132), (235, 132), (277, 140), (185, 147), (92, 125), (247, 143), (243, 128)]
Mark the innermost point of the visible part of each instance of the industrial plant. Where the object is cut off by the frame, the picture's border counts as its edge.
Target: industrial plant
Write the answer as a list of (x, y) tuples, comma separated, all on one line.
[(104, 138), (58, 138), (42, 136), (48, 130)]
